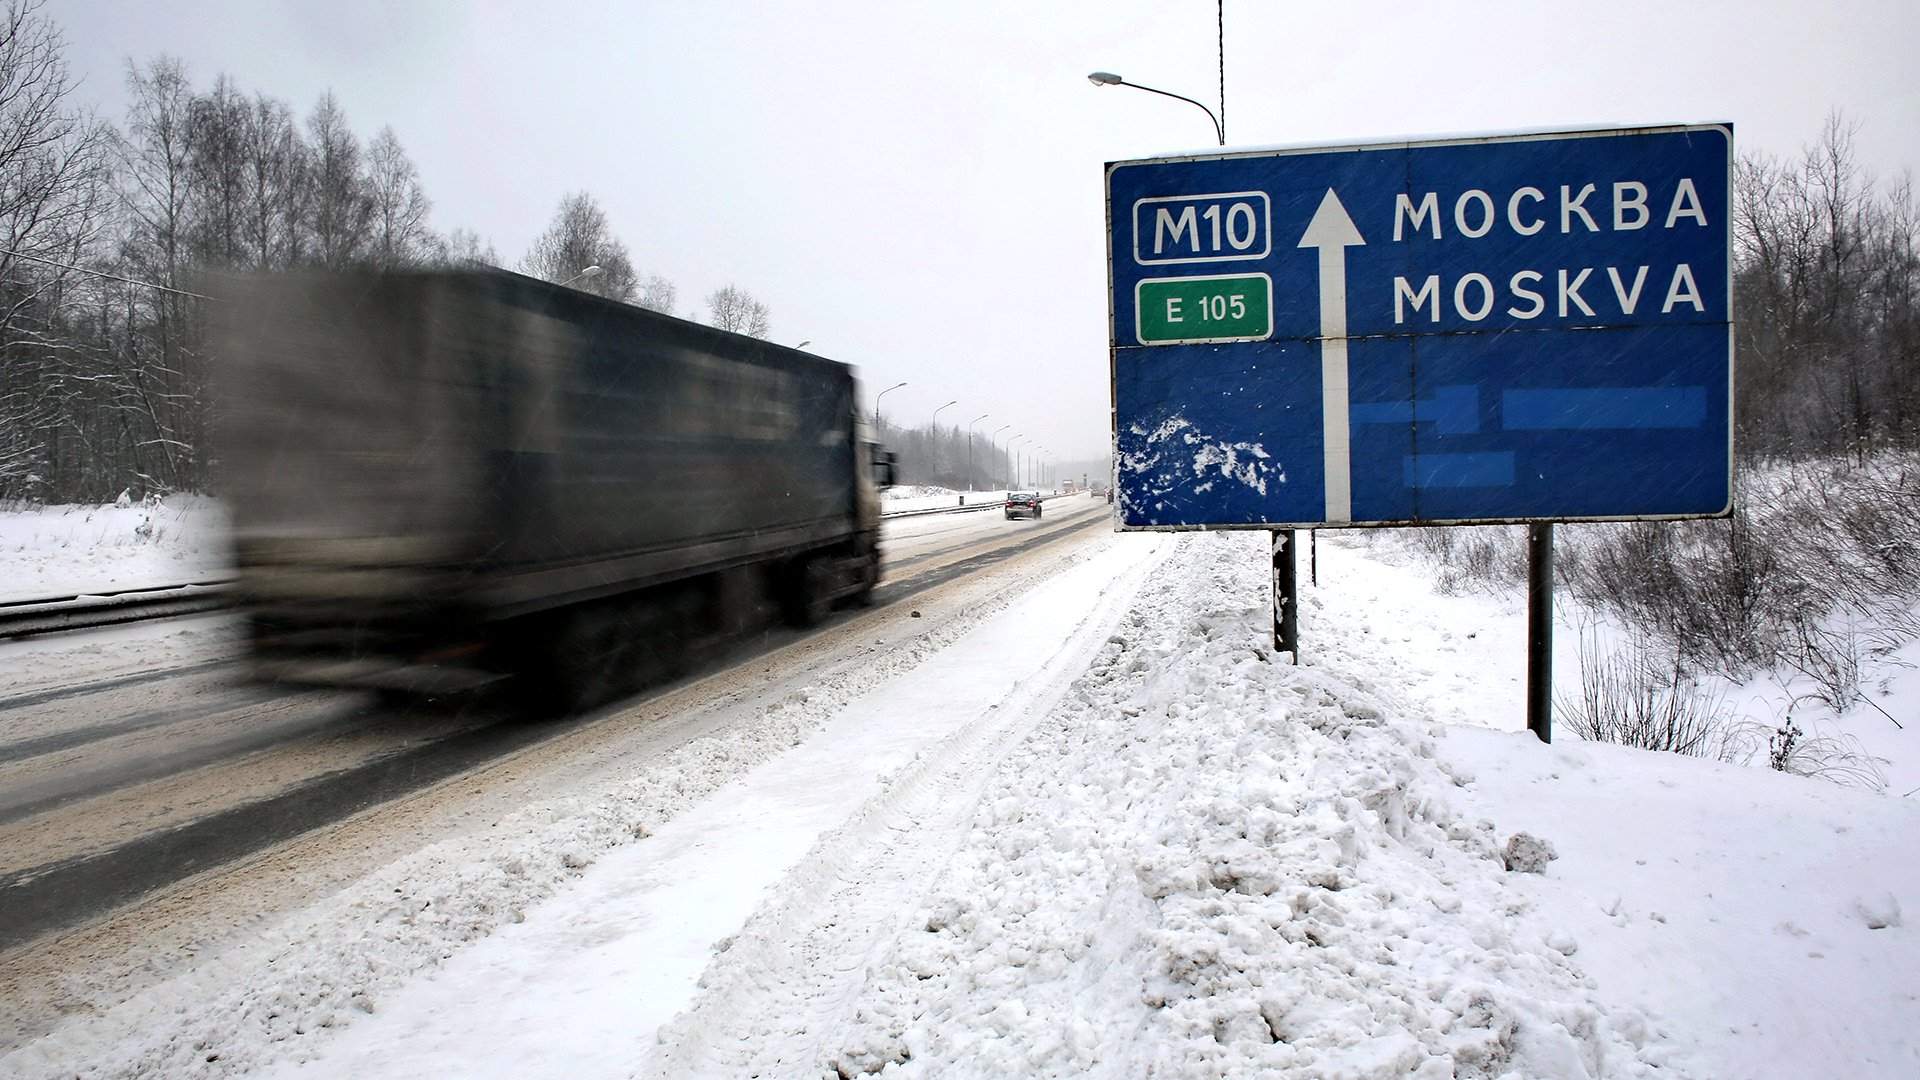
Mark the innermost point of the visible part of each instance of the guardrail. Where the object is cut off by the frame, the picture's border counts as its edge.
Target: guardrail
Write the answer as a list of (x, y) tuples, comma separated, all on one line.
[(81, 611)]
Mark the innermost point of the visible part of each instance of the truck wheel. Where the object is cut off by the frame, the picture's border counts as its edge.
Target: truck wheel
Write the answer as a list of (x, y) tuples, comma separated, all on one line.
[(869, 577), (809, 595)]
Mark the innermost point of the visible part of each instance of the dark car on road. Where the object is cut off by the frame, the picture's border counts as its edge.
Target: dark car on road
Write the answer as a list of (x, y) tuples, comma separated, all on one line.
[(1023, 504)]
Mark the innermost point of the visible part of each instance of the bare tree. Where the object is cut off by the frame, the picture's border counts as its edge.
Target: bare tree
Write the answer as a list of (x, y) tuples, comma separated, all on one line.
[(1826, 280), (658, 294), (157, 362), (155, 159), (217, 167), (341, 209), (400, 204), (52, 197), (733, 308), (577, 238), (464, 248), (273, 199)]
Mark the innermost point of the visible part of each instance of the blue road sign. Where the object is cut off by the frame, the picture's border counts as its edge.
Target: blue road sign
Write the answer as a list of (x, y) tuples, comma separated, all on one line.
[(1520, 328)]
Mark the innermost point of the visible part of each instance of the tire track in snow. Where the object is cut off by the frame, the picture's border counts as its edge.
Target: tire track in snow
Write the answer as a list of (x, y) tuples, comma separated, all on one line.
[(799, 961)]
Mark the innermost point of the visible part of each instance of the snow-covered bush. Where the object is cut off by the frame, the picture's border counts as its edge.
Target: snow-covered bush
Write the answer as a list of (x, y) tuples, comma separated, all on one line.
[(1817, 570), (1817, 752), (1811, 546), (1636, 696), (1482, 556)]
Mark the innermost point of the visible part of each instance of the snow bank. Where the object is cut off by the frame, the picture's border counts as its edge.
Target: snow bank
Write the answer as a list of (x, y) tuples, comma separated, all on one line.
[(914, 491), (924, 497), (1758, 912), (1205, 863), (48, 550)]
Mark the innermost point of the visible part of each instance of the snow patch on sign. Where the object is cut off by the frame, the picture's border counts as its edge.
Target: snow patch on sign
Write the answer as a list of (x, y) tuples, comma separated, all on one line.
[(1173, 460)]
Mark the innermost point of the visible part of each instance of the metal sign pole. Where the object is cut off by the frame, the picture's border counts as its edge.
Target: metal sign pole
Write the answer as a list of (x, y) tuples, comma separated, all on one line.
[(1286, 595), (1540, 630)]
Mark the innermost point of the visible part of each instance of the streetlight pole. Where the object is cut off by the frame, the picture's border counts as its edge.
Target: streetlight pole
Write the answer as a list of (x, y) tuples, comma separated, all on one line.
[(933, 441), (1108, 78), (970, 424), (588, 272), (995, 447), (1018, 457), (876, 406)]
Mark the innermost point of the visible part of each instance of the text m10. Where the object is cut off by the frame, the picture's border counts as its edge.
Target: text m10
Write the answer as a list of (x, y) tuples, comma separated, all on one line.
[(1228, 227)]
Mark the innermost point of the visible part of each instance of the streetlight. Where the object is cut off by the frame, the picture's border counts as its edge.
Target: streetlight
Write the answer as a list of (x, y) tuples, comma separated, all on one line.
[(970, 424), (1018, 456), (590, 272), (936, 413), (1108, 78), (876, 406), (995, 447), (804, 344)]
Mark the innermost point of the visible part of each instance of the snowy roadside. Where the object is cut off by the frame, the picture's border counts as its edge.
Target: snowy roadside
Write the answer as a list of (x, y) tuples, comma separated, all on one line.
[(596, 971), (924, 497), (49, 550), (1151, 852), (273, 995), (1203, 863)]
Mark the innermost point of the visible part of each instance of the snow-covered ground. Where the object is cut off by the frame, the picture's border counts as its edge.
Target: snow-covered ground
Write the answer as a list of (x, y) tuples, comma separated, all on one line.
[(49, 550), (911, 497), (1105, 832)]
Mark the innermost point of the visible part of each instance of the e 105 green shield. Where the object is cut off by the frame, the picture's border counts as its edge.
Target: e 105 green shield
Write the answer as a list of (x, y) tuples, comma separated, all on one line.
[(1217, 307)]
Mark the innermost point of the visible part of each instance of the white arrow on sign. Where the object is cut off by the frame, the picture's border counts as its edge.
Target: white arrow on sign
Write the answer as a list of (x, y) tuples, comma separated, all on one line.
[(1333, 232)]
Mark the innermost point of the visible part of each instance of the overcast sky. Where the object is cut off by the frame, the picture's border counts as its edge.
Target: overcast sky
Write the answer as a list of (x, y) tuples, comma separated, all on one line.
[(916, 187)]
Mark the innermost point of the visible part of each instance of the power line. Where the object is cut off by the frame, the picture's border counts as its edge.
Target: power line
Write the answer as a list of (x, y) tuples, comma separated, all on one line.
[(103, 274)]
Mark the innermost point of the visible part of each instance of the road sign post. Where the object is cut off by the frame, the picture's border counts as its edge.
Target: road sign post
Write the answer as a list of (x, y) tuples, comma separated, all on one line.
[(1286, 594), (1540, 630), (1528, 328)]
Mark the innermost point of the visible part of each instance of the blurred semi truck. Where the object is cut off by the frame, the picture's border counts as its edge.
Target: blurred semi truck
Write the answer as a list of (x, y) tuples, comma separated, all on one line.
[(442, 478)]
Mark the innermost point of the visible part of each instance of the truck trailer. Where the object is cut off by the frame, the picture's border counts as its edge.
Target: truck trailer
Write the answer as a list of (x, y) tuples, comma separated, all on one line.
[(440, 479)]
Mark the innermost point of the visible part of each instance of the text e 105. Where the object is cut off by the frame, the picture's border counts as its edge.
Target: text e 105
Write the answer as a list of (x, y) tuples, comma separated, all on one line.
[(1211, 308)]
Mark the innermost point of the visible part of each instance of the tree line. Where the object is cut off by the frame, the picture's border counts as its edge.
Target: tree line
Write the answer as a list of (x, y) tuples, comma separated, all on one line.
[(1826, 304), (944, 456), (106, 230)]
